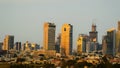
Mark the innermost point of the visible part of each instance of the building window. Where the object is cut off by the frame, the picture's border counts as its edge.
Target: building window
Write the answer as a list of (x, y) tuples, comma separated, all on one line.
[(64, 29)]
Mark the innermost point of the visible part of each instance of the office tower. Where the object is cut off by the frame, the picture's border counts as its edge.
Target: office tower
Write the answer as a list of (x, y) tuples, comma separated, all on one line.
[(49, 36), (111, 38), (35, 46), (104, 45), (18, 46), (66, 39), (23, 47), (93, 38), (57, 44), (88, 47), (81, 43), (1, 44), (91, 47), (8, 42), (27, 46), (118, 39), (93, 34), (99, 48)]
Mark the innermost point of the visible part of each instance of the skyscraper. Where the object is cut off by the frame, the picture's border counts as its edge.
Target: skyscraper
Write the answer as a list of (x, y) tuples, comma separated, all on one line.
[(27, 46), (18, 46), (111, 37), (66, 39), (81, 43), (1, 44), (118, 39), (93, 34), (8, 42), (93, 38), (49, 36), (104, 45), (57, 44)]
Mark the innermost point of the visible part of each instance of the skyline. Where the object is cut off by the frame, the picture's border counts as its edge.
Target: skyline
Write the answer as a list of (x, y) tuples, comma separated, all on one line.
[(24, 19)]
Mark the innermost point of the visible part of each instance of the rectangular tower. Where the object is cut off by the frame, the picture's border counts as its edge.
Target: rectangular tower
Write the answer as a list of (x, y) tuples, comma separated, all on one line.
[(8, 42), (66, 39), (81, 43), (104, 44), (93, 34), (1, 44), (18, 46), (57, 43), (49, 36), (111, 39), (118, 39)]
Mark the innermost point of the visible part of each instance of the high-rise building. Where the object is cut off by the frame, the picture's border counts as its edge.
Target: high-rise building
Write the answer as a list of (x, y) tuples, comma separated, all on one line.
[(27, 46), (66, 39), (92, 47), (57, 44), (8, 42), (81, 43), (104, 45), (18, 46), (88, 47), (1, 44), (23, 47), (93, 34), (35, 46), (93, 39), (110, 40), (49, 36), (118, 39)]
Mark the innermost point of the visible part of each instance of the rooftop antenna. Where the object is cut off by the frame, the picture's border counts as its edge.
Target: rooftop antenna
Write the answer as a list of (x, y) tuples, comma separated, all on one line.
[(94, 25), (52, 20), (94, 22)]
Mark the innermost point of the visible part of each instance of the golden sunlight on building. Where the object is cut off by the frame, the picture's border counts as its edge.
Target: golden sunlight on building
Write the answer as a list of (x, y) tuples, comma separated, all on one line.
[(79, 44), (118, 40), (66, 40), (49, 36), (8, 42)]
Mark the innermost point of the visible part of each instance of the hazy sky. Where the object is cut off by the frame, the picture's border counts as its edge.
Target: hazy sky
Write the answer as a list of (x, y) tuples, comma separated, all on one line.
[(24, 18)]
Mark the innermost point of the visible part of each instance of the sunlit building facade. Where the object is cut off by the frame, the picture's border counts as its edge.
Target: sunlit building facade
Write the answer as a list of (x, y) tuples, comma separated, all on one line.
[(93, 34), (49, 36), (93, 38), (81, 43), (8, 42), (118, 39), (66, 39)]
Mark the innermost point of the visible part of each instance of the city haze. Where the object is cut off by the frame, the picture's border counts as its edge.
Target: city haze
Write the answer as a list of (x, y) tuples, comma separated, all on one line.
[(25, 18)]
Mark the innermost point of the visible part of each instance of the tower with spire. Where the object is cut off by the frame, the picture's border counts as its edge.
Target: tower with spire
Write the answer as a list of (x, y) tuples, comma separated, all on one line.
[(93, 34)]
